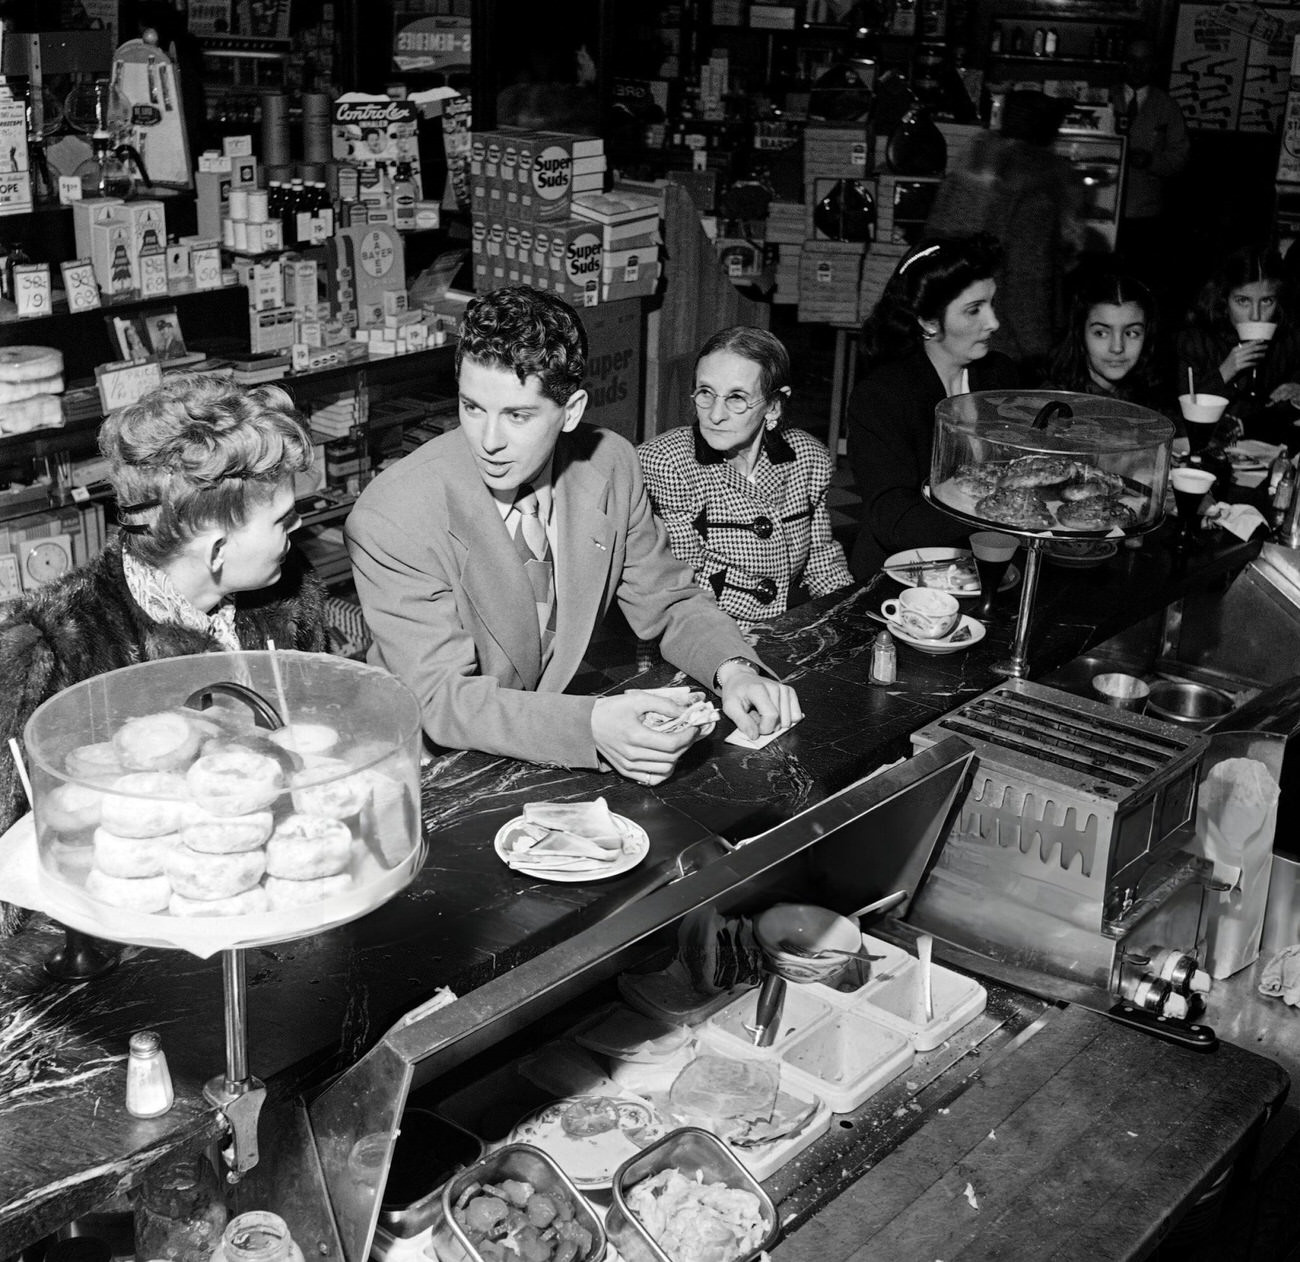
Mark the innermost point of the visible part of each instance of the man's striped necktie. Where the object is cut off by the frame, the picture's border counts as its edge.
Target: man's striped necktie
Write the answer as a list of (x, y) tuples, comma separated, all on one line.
[(535, 552)]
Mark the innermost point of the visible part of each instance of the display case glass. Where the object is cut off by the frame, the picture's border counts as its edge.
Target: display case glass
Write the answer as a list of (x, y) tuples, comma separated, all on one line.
[(174, 808), (1050, 462)]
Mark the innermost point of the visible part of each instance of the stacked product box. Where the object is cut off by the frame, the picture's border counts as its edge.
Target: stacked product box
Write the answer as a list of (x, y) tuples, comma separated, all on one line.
[(837, 152), (785, 232), (628, 223), (117, 234), (524, 231), (830, 276)]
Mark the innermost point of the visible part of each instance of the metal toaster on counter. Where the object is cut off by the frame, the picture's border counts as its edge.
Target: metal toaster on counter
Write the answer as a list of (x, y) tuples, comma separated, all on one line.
[(1063, 870)]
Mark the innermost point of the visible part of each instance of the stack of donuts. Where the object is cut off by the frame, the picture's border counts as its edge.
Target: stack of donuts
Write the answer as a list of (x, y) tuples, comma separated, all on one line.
[(186, 818), (31, 381)]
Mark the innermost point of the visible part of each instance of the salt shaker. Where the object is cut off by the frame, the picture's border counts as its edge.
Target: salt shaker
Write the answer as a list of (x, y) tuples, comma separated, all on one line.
[(148, 1081), (884, 659)]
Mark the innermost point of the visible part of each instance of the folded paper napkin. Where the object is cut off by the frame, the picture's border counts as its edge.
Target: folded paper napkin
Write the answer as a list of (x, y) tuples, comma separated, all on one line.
[(1281, 977), (1239, 519)]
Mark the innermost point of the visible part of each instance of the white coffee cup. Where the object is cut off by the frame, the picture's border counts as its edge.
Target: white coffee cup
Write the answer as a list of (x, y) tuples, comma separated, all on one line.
[(1256, 330), (1192, 481), (1202, 409), (923, 612)]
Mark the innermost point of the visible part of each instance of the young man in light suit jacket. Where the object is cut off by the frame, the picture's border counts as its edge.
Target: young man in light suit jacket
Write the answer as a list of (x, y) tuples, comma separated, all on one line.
[(447, 596)]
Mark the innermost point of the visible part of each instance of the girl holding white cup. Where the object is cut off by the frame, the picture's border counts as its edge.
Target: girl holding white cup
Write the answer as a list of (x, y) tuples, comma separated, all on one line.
[(1240, 342)]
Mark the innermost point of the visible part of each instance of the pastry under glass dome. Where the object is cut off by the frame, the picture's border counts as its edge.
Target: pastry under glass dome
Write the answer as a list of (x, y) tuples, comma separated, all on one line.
[(1050, 462), (173, 809)]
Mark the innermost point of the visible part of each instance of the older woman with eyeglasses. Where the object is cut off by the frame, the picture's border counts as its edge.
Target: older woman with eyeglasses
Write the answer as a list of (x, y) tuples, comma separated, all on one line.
[(743, 496)]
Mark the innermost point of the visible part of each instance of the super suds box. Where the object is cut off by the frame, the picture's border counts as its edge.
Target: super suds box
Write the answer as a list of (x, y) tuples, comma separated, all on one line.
[(551, 157), (576, 258)]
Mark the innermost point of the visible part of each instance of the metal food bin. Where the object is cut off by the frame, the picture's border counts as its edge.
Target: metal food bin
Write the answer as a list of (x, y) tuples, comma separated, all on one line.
[(873, 837)]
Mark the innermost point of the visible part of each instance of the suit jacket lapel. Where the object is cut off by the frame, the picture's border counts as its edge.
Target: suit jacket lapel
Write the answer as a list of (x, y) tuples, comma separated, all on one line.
[(505, 608), (584, 550)]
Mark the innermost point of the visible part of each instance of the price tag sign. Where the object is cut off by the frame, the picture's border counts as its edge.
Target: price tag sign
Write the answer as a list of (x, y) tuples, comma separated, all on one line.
[(206, 262), (122, 384), (80, 285), (32, 288), (153, 274), (69, 190)]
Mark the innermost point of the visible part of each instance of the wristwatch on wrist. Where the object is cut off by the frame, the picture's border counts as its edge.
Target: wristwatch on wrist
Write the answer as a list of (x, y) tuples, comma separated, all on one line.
[(743, 661)]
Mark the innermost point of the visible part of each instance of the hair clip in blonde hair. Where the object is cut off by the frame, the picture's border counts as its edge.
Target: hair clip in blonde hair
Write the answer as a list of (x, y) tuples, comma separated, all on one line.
[(136, 527), (920, 254)]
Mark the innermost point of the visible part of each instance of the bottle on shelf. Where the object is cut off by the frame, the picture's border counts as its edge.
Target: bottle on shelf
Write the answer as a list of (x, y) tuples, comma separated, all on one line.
[(403, 198), (1017, 41), (1040, 41), (995, 38), (1050, 42)]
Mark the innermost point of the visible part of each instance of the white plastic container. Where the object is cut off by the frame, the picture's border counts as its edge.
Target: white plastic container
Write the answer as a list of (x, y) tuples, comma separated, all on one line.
[(846, 1059), (955, 1000), (799, 1011), (765, 1160)]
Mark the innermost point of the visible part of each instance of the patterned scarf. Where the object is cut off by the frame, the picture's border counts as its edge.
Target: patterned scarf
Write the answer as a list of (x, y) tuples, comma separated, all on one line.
[(156, 594)]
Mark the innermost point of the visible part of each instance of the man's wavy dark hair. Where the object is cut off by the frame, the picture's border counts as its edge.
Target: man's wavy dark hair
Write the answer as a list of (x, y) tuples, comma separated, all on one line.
[(529, 333)]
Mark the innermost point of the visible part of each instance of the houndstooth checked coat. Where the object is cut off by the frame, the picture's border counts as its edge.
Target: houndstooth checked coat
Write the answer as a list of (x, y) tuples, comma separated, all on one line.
[(752, 543)]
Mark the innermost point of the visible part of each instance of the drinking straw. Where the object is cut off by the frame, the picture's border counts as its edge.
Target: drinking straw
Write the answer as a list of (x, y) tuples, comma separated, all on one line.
[(21, 768), (279, 683), (1191, 385)]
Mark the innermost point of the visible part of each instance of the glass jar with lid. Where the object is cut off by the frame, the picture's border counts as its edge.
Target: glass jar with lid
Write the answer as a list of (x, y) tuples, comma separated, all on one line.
[(257, 1236), (179, 1211)]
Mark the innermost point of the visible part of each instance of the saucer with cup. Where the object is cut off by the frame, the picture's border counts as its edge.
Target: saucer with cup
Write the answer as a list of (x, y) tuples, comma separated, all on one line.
[(962, 631), (923, 613)]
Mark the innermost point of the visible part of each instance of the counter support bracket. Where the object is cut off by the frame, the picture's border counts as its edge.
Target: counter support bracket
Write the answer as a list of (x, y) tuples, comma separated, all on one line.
[(1018, 665), (237, 1093)]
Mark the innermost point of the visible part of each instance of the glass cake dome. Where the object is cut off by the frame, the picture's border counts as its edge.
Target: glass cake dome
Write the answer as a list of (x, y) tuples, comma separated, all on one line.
[(175, 807), (1051, 462)]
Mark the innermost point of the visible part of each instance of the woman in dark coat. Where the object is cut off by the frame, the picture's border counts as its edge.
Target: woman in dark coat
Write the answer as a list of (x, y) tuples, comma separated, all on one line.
[(1261, 379), (926, 340), (203, 473)]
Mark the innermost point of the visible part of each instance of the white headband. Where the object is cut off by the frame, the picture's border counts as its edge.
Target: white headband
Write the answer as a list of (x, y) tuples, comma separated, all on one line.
[(920, 254)]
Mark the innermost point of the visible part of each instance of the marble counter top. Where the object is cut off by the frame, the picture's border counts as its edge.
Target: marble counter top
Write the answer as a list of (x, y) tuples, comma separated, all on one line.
[(315, 1004)]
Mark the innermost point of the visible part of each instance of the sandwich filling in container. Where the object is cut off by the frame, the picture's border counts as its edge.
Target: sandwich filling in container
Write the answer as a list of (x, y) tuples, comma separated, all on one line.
[(698, 1156)]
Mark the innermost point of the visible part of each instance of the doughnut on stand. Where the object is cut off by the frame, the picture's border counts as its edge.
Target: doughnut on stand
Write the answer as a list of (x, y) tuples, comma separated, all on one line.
[(1048, 465), (226, 801)]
